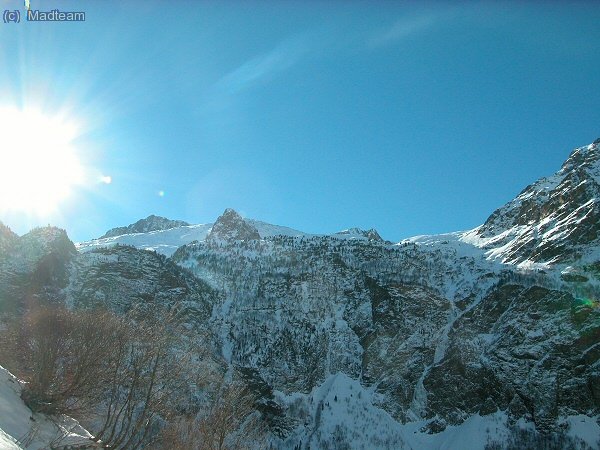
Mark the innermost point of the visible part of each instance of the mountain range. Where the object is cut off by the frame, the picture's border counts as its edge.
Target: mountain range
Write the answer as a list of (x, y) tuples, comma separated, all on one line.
[(486, 338)]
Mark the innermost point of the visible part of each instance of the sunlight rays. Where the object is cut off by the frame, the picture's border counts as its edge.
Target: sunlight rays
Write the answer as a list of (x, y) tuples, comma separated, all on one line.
[(39, 164)]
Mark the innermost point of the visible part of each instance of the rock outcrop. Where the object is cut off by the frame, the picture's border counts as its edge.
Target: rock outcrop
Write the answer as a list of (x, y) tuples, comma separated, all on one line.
[(230, 226)]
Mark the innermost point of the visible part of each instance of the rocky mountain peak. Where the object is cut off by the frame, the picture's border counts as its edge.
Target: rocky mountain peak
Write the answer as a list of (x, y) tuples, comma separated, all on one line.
[(44, 239), (371, 234), (584, 160), (150, 223), (230, 226), (552, 217)]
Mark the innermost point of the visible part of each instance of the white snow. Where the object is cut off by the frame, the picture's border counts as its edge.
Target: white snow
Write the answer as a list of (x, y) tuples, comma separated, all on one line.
[(266, 229), (7, 442), (343, 412), (168, 241), (22, 429), (585, 428), (162, 241)]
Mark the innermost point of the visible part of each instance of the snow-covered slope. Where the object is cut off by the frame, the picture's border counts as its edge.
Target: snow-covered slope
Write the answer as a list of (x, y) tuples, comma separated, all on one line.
[(166, 241), (22, 429), (150, 223), (161, 241), (556, 219), (266, 229)]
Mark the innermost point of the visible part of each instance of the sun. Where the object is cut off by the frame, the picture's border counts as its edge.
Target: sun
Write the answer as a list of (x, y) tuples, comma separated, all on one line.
[(39, 165)]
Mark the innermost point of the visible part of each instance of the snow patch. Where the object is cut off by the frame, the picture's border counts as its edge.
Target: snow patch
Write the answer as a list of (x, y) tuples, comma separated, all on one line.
[(22, 429)]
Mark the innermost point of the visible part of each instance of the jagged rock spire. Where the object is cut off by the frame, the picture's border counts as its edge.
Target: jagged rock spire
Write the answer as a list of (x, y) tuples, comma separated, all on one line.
[(230, 226)]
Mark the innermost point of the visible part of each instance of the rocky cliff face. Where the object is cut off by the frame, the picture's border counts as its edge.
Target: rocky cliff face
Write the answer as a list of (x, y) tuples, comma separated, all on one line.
[(44, 265), (556, 219), (295, 311), (122, 278), (230, 226), (527, 350)]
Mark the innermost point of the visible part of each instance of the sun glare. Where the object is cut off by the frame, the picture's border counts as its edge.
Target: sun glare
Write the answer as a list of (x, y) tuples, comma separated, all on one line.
[(38, 162)]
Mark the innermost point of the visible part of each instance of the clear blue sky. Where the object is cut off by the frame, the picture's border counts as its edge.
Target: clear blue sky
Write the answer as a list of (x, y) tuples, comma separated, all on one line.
[(410, 118)]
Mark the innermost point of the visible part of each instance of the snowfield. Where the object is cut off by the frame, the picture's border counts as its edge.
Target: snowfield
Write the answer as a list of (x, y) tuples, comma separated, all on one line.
[(22, 429)]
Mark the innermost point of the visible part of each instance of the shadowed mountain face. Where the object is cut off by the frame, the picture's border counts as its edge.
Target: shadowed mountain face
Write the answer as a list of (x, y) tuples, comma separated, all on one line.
[(122, 278), (530, 351), (34, 266), (7, 239), (44, 265), (437, 329)]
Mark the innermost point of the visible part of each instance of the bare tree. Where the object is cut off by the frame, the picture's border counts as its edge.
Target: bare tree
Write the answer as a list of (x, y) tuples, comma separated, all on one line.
[(145, 385), (119, 372), (61, 356), (128, 377), (230, 422)]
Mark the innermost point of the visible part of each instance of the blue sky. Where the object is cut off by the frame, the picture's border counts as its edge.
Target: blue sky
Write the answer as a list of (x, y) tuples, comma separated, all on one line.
[(408, 117)]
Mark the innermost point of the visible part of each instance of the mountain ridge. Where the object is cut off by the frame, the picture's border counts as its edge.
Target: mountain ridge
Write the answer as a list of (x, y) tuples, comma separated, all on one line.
[(433, 334), (550, 219), (150, 223), (523, 231)]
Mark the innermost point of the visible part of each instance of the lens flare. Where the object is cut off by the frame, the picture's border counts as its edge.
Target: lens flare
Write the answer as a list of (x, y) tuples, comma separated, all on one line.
[(586, 302)]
